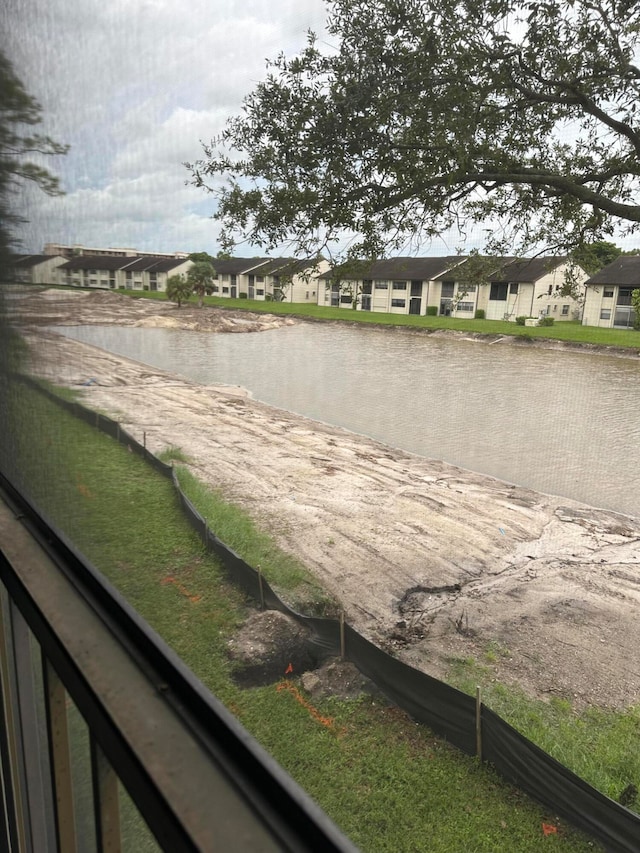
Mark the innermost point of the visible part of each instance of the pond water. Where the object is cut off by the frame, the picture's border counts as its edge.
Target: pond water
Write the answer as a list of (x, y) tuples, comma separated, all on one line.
[(559, 422)]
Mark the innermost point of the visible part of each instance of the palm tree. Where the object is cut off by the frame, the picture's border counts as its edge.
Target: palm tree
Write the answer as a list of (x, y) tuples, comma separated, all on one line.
[(200, 277), (179, 289)]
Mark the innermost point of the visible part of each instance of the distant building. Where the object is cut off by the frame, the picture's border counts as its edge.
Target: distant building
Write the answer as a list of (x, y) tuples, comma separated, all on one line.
[(79, 249), (608, 294)]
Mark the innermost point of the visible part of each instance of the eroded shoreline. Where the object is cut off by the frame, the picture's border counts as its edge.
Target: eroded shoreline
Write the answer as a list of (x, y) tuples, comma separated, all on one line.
[(429, 560)]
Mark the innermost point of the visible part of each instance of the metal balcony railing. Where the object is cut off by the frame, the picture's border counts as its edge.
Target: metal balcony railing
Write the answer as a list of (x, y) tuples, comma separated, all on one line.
[(107, 741)]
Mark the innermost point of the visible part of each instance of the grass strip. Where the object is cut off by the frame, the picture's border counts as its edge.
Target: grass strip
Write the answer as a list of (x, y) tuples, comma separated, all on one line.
[(601, 746), (287, 576), (387, 782)]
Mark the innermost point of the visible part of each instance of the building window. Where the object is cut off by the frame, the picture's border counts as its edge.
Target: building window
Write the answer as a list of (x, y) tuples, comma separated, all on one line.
[(382, 285), (233, 279), (464, 306), (260, 291), (447, 289), (468, 288), (605, 314), (608, 293), (260, 278), (128, 275), (345, 299), (399, 285), (398, 303), (216, 289), (624, 296), (225, 290), (565, 310), (498, 291), (555, 307), (513, 288)]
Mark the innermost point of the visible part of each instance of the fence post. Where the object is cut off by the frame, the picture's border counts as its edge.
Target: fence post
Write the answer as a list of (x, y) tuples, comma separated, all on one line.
[(342, 649), (261, 589), (479, 722)]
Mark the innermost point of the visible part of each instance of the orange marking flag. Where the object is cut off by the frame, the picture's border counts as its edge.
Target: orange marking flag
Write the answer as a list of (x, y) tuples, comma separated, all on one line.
[(181, 589)]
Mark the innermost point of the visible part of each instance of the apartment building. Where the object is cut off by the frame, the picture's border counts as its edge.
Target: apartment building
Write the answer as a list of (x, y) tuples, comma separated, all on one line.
[(608, 294)]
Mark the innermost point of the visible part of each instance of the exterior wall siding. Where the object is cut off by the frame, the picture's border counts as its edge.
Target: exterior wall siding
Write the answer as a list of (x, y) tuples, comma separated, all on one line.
[(600, 305)]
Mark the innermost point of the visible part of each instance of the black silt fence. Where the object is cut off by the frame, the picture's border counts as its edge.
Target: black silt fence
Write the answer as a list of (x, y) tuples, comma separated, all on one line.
[(548, 781), (446, 710)]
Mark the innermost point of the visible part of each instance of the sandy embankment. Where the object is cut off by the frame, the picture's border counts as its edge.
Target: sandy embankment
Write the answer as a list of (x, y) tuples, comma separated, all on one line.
[(429, 559)]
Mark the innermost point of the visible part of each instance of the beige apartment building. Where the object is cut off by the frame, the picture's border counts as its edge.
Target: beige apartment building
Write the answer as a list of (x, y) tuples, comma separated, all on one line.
[(35, 269), (264, 279), (113, 272), (608, 294), (533, 287), (529, 287)]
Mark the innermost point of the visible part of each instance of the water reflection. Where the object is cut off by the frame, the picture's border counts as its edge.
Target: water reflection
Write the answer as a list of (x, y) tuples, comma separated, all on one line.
[(562, 423)]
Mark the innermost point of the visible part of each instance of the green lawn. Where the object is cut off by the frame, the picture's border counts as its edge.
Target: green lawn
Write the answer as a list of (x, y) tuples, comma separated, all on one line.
[(386, 781)]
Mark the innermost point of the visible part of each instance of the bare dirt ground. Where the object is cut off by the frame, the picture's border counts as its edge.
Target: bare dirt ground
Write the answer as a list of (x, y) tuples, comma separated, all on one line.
[(431, 561)]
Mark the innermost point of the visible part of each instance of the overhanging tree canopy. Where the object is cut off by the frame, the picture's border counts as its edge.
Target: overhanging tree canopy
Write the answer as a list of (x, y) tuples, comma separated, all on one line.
[(18, 112), (423, 115)]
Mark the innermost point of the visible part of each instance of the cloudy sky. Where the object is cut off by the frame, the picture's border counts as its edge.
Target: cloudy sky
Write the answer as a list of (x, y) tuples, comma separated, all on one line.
[(133, 86)]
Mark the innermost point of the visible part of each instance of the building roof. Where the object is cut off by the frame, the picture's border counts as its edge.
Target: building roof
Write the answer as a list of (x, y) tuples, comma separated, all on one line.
[(167, 264), (97, 262), (527, 269), (417, 269), (237, 266), (287, 266), (111, 262), (27, 261), (624, 270)]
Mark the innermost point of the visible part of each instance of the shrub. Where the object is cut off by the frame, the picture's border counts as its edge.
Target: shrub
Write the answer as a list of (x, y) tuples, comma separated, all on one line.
[(432, 310), (635, 302), (242, 296), (546, 321), (520, 320), (479, 315)]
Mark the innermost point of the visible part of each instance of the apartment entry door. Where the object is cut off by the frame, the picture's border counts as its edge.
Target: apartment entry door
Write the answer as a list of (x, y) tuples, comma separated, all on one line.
[(415, 302)]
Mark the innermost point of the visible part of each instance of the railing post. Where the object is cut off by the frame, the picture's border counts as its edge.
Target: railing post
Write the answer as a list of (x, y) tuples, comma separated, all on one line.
[(479, 722), (56, 704), (105, 797)]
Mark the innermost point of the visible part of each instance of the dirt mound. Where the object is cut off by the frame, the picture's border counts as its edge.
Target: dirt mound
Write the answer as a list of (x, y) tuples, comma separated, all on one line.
[(108, 308), (269, 646)]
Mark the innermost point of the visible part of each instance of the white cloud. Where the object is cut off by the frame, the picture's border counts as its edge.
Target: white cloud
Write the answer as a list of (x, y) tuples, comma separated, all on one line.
[(133, 86)]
